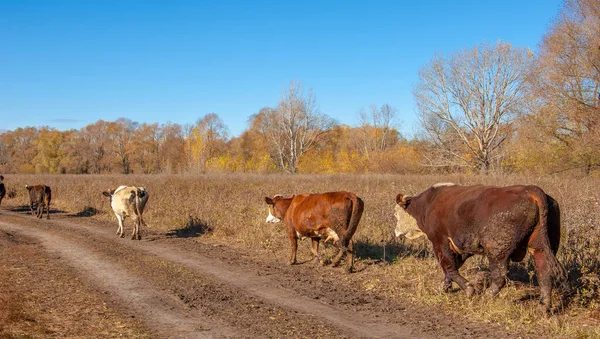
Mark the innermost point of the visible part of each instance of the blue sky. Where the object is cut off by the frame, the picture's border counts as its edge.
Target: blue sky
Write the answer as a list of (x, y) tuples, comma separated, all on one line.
[(66, 64)]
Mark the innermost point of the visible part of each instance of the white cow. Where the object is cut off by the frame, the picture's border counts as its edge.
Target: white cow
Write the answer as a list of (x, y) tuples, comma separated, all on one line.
[(128, 201)]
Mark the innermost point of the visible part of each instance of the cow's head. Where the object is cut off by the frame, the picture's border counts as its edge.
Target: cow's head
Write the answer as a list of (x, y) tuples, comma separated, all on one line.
[(27, 187), (278, 205), (406, 225)]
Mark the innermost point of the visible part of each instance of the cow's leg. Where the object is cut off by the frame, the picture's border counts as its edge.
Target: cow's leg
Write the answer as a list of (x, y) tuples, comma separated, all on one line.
[(544, 278), (349, 257), (315, 249), (498, 271), (48, 211), (135, 234), (120, 228), (459, 260), (343, 244), (31, 207), (40, 210), (294, 247), (338, 257), (448, 262)]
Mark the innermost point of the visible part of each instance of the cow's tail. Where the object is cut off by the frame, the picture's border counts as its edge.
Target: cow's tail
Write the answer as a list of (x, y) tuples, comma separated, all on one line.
[(139, 195), (136, 205), (547, 234), (357, 210)]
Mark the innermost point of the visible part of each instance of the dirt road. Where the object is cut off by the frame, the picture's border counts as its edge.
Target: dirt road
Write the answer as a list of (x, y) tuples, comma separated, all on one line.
[(173, 287)]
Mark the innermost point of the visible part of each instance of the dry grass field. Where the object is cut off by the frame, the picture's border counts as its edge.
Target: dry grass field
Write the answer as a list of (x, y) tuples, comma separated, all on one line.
[(230, 209)]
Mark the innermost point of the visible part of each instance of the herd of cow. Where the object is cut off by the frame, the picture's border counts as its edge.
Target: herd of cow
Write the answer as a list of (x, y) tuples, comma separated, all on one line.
[(500, 223)]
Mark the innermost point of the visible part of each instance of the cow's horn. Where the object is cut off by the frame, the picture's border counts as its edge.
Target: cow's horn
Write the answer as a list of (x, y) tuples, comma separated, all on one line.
[(400, 199)]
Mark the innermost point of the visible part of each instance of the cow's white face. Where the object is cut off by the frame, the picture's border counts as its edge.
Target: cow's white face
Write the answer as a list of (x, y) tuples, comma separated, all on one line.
[(271, 218), (406, 225)]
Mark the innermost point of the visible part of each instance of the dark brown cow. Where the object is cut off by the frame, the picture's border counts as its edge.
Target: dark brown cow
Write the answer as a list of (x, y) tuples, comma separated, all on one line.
[(332, 216), (501, 223), (2, 189), (40, 195)]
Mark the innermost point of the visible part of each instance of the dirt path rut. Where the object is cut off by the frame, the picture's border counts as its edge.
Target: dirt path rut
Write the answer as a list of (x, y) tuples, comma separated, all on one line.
[(180, 288)]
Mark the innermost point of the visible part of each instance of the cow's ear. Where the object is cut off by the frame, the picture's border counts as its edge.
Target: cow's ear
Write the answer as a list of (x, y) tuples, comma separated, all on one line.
[(105, 193), (402, 200), (269, 201)]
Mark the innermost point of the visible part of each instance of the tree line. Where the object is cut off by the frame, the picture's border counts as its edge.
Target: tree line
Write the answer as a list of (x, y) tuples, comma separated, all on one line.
[(486, 108)]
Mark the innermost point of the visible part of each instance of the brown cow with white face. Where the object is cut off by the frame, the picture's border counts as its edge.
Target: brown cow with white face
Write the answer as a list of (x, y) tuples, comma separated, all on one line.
[(501, 223), (330, 216), (128, 201), (40, 195)]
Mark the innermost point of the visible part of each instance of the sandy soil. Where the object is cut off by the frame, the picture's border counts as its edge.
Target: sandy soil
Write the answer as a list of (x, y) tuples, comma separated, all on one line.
[(73, 277)]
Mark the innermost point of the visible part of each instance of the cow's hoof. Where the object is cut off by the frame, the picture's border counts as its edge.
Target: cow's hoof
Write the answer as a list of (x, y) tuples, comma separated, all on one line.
[(446, 286), (470, 291), (545, 308), (121, 236), (492, 292)]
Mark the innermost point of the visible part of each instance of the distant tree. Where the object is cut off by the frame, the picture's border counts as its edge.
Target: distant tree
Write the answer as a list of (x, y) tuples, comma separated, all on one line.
[(120, 134), (50, 151), (94, 147), (468, 101), (205, 140), (378, 128), (172, 148), (566, 86), (18, 148), (294, 126), (144, 149)]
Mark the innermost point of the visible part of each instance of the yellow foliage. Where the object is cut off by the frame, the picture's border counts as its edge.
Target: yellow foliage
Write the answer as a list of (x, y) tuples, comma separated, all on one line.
[(26, 169)]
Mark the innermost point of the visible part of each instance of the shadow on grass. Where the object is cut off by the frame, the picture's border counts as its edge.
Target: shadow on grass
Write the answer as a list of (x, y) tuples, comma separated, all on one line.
[(86, 213), (25, 209), (389, 251), (194, 228)]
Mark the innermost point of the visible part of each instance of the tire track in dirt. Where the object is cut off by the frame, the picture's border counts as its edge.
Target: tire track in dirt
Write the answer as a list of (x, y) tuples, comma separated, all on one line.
[(166, 314), (261, 287), (166, 311)]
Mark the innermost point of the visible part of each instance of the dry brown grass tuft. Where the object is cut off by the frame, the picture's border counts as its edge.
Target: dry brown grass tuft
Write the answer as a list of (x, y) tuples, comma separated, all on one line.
[(230, 207)]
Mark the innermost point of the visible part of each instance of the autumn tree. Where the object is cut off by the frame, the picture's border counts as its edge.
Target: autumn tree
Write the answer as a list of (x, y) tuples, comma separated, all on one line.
[(50, 151), (144, 149), (467, 102), (205, 140), (251, 149), (172, 148), (377, 126), (18, 150), (566, 85), (294, 126)]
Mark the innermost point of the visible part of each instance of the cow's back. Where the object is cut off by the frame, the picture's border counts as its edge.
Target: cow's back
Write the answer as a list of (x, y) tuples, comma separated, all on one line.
[(124, 200), (471, 205), (310, 211), (37, 193)]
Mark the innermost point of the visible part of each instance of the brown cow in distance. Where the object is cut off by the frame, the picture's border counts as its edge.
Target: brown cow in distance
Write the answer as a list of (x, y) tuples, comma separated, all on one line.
[(330, 216), (2, 189), (40, 195), (501, 223)]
